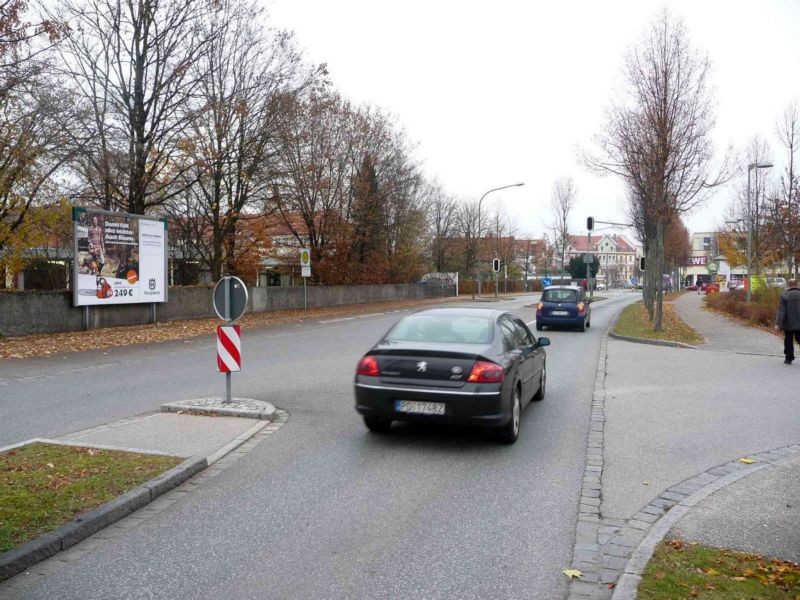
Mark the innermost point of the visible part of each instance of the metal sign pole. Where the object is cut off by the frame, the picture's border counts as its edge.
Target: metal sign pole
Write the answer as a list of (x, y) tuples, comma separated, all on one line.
[(305, 294), (227, 288)]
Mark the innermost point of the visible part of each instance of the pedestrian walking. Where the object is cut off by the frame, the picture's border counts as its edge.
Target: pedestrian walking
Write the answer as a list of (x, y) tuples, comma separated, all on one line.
[(789, 319)]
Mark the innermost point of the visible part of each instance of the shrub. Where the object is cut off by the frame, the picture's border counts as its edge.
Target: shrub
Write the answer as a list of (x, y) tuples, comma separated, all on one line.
[(761, 311)]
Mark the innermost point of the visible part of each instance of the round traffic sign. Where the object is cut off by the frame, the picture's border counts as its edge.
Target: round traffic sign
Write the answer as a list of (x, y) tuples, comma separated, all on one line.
[(546, 281), (230, 298)]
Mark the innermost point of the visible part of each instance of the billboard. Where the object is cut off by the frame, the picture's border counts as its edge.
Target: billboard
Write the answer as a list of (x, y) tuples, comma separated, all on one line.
[(119, 258)]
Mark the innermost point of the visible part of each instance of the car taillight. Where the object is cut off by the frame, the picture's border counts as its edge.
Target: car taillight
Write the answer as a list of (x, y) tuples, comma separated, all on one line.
[(581, 307), (368, 366), (486, 372), (540, 307)]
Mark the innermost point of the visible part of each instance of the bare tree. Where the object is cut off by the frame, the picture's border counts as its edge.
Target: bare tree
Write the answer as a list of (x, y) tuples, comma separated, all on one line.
[(443, 222), (562, 201), (131, 62), (658, 138), (35, 118), (468, 224), (783, 205), (231, 147)]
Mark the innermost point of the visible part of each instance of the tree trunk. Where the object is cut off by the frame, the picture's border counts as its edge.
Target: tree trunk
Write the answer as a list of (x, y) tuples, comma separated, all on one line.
[(658, 268)]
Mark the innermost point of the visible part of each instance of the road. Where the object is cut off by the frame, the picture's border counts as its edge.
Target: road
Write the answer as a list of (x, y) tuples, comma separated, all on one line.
[(324, 509)]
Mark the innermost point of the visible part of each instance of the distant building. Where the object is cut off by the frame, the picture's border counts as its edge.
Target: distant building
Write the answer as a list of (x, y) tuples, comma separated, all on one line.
[(618, 257)]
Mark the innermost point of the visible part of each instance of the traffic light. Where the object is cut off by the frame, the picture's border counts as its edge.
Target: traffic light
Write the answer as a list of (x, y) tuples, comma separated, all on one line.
[(496, 265), (641, 263), (589, 223)]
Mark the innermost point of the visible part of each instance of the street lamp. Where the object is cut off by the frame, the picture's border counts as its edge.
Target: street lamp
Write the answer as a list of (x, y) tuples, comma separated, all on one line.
[(479, 226), (750, 167)]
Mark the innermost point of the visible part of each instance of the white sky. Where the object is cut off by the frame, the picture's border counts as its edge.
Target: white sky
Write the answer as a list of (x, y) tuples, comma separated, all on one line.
[(506, 91)]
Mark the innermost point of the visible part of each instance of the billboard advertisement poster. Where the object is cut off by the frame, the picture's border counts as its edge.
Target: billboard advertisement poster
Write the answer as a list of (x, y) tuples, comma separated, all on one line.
[(120, 258)]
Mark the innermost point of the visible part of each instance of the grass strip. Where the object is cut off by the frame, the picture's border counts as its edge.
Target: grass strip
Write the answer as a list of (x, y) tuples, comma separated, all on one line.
[(634, 322), (43, 486), (681, 570)]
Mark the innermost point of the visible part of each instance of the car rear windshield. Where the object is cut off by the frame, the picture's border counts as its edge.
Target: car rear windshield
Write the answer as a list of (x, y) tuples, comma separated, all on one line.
[(442, 329), (560, 296)]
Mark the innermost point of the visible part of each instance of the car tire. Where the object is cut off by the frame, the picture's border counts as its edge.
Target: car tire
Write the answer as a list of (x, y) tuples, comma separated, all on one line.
[(376, 425), (538, 327), (582, 326), (539, 395), (508, 433)]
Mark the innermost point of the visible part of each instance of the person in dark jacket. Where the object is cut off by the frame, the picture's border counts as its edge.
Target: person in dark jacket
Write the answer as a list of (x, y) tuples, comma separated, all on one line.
[(789, 319)]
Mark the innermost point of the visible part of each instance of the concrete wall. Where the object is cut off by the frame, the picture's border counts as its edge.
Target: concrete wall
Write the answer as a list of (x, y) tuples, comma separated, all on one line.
[(25, 313)]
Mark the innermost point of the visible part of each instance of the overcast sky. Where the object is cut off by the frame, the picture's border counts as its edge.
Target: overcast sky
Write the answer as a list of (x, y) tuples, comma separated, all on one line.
[(506, 91)]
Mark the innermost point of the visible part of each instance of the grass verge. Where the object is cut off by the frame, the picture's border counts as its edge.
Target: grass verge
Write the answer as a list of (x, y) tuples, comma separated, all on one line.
[(680, 570), (43, 486), (634, 322)]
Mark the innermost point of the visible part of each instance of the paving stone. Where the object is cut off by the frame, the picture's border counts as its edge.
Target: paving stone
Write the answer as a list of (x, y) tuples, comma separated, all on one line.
[(592, 493), (614, 562), (645, 517), (590, 501), (586, 508), (615, 550)]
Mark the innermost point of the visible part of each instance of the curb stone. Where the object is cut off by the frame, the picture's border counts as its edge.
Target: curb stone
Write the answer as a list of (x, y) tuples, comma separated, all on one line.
[(19, 559), (667, 343), (237, 407)]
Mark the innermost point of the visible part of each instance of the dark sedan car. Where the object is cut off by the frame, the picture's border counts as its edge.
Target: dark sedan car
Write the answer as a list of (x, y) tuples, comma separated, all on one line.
[(564, 305), (466, 366)]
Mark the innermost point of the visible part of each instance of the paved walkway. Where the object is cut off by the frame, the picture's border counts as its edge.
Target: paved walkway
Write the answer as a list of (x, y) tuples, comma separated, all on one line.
[(724, 334), (672, 422)]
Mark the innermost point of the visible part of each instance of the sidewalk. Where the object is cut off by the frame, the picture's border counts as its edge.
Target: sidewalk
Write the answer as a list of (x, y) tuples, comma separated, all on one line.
[(675, 421), (724, 334)]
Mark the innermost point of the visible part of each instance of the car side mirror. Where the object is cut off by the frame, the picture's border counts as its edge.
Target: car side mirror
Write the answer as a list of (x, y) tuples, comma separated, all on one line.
[(542, 341)]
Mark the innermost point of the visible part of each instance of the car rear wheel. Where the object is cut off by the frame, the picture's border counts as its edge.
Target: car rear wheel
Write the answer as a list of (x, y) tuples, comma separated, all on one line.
[(377, 425), (538, 327), (582, 326), (509, 433), (542, 384)]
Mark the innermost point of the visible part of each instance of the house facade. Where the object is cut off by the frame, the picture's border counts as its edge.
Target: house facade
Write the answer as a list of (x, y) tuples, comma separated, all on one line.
[(618, 257)]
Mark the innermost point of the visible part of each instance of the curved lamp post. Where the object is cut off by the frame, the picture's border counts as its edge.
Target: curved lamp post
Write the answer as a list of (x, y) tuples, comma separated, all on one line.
[(479, 229)]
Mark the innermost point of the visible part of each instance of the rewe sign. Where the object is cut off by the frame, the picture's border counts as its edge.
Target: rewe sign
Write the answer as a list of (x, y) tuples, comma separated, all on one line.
[(698, 261)]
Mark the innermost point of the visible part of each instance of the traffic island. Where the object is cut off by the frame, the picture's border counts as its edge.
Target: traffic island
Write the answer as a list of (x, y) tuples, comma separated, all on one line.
[(54, 495), (634, 325), (212, 407)]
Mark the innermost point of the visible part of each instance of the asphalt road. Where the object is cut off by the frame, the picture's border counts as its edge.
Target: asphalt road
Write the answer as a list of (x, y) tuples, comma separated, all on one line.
[(324, 509)]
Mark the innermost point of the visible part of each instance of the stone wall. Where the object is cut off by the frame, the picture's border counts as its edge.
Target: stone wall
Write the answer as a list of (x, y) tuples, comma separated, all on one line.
[(30, 312)]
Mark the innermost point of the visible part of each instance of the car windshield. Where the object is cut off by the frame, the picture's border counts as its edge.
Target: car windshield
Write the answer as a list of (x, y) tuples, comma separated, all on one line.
[(442, 329), (560, 296)]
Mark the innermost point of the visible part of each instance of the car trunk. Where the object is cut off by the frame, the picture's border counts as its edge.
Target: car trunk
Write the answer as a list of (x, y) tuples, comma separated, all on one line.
[(559, 309), (426, 366)]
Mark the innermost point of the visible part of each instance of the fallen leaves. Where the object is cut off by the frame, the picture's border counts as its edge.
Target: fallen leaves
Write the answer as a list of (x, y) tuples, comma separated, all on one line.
[(747, 461), (572, 573), (111, 337)]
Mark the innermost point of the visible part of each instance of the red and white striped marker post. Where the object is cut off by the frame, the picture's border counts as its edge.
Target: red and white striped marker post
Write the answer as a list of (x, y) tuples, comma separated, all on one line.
[(229, 348), (229, 354)]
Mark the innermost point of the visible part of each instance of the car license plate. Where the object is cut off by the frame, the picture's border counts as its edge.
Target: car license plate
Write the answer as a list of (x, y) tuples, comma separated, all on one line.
[(419, 408), (560, 313)]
